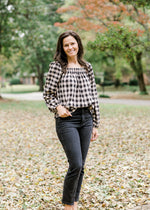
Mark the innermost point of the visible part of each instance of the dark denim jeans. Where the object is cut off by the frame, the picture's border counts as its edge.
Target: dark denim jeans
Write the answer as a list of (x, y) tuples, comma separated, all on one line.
[(74, 133)]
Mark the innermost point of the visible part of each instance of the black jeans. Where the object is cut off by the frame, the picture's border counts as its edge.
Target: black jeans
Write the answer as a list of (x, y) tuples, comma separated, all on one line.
[(74, 133)]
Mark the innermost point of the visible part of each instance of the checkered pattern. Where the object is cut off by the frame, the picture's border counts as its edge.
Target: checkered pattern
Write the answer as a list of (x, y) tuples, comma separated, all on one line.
[(74, 89)]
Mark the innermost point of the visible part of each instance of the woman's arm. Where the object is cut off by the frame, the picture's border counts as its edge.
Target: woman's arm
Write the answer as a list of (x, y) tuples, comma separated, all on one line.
[(50, 88), (95, 105)]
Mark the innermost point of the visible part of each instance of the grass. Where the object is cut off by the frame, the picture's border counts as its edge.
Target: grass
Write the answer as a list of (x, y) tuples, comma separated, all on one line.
[(20, 89), (35, 88), (125, 88), (112, 110), (30, 106), (106, 110)]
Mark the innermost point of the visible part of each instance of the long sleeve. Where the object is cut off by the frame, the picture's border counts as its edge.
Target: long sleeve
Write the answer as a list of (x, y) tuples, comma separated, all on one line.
[(50, 88), (95, 105)]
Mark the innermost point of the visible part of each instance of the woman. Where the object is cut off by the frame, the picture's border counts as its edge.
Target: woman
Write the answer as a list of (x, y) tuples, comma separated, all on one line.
[(70, 92)]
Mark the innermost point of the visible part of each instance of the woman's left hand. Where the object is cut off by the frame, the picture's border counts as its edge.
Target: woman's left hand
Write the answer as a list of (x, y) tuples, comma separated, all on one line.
[(94, 134)]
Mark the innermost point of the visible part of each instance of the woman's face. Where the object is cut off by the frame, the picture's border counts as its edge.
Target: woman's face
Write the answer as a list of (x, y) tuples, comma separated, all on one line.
[(70, 46)]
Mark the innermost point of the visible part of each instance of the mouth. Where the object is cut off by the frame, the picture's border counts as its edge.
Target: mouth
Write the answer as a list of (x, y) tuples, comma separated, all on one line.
[(72, 52)]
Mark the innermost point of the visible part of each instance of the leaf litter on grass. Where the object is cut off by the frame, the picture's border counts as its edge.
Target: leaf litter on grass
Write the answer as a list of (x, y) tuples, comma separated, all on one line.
[(33, 163)]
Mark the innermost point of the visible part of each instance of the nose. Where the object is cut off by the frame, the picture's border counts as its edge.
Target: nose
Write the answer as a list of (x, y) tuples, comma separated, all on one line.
[(70, 46)]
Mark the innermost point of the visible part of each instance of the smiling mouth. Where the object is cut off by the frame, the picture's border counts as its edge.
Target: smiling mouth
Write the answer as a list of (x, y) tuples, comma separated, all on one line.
[(71, 51)]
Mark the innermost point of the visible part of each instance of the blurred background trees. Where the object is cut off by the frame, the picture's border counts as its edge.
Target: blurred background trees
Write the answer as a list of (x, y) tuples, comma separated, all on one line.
[(118, 30), (28, 36)]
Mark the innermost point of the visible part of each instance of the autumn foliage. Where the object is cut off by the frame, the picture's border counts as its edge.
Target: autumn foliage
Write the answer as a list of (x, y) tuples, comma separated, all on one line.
[(131, 20), (98, 15)]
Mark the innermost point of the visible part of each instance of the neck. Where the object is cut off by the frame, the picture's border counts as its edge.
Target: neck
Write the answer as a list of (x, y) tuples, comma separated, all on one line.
[(72, 60)]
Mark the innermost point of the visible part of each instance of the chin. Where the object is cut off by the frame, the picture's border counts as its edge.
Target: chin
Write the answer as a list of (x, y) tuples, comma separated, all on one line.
[(72, 55)]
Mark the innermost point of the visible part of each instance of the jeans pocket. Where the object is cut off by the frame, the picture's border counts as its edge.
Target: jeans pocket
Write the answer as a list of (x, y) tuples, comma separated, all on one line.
[(61, 122)]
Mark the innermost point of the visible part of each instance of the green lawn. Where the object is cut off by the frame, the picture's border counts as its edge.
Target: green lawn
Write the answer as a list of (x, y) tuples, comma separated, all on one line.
[(125, 88), (105, 109), (33, 88), (20, 89), (30, 106)]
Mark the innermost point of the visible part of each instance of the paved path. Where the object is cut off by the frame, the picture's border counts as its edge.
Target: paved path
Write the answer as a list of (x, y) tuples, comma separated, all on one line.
[(125, 101), (37, 96)]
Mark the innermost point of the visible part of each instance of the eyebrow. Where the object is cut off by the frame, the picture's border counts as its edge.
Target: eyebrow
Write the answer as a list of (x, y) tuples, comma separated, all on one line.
[(69, 43)]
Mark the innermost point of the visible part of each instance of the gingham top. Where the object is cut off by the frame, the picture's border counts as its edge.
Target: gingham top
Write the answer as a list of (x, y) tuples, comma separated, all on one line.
[(74, 89)]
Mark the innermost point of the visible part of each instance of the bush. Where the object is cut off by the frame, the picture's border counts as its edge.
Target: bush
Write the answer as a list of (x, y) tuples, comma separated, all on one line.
[(15, 82), (133, 82), (107, 83), (104, 96), (117, 83), (143, 93), (124, 84), (97, 80)]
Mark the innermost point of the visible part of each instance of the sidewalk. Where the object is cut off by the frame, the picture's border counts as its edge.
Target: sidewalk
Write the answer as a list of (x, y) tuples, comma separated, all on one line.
[(35, 96), (124, 101), (38, 96)]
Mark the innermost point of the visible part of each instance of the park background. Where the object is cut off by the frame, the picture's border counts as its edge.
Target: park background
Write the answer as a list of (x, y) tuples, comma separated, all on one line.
[(116, 39)]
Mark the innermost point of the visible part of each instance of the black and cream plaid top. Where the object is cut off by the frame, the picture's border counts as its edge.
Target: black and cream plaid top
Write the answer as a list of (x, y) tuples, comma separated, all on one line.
[(74, 89)]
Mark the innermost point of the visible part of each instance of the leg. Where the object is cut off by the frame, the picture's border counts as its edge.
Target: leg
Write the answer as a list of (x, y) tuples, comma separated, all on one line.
[(68, 207), (69, 138), (75, 205), (85, 137)]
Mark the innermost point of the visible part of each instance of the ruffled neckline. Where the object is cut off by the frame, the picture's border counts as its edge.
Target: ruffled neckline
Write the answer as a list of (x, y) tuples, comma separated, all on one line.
[(77, 68)]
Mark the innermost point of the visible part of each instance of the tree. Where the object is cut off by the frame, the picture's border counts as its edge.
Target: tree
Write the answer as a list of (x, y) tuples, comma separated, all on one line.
[(139, 3), (7, 27), (123, 42), (92, 15), (38, 35), (32, 34), (101, 16)]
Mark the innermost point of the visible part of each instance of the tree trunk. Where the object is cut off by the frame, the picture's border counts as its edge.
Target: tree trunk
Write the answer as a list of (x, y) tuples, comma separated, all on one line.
[(138, 69), (141, 83), (41, 82), (40, 78), (139, 74)]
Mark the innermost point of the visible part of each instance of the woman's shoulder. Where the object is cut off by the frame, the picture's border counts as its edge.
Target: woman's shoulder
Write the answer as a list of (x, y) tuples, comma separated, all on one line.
[(55, 68), (55, 64), (89, 65)]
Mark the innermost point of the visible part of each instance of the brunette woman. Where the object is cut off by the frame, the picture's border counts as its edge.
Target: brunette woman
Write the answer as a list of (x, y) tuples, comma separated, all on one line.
[(70, 93)]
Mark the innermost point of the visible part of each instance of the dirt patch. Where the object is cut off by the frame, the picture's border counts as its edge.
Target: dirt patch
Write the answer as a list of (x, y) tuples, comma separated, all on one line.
[(5, 100)]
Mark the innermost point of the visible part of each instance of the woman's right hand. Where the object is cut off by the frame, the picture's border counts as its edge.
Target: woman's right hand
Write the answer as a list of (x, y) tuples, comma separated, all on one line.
[(62, 111)]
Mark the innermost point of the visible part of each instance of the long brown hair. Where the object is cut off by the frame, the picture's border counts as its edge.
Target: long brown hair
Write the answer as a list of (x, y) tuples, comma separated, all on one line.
[(61, 56)]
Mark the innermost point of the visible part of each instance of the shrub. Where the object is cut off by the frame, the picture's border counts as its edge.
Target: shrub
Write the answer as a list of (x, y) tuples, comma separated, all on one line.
[(143, 93), (104, 96), (15, 82), (124, 84), (117, 83), (107, 83), (133, 82), (97, 80)]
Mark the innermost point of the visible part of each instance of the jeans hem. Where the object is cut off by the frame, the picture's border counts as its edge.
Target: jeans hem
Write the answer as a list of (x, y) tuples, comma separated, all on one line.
[(68, 203)]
